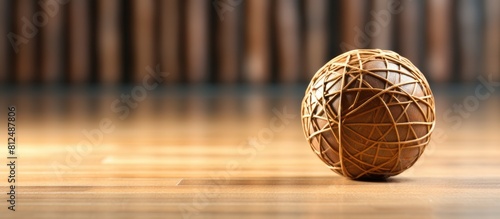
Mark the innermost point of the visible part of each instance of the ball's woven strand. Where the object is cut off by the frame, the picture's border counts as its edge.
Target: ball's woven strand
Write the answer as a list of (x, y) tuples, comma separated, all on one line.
[(368, 114)]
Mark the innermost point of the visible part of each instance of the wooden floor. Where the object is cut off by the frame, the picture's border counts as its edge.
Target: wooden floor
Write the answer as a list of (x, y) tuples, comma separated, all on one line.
[(231, 153)]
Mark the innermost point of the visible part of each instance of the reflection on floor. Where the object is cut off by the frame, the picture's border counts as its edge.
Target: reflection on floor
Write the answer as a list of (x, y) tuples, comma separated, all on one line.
[(210, 153)]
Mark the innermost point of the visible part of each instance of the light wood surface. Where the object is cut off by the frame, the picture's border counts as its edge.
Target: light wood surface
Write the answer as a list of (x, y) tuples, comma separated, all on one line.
[(174, 156)]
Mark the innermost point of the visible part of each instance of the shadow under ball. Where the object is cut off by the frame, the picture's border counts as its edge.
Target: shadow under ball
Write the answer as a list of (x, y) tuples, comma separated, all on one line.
[(368, 114)]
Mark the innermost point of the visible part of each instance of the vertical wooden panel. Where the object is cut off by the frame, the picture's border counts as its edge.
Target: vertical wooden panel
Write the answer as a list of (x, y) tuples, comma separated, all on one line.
[(79, 41), (288, 40), (197, 40), (144, 37), (353, 36), (4, 42), (316, 36), (380, 25), (470, 30), (52, 45), (25, 55), (169, 39), (439, 46), (492, 38), (109, 41), (257, 58), (412, 32), (228, 43)]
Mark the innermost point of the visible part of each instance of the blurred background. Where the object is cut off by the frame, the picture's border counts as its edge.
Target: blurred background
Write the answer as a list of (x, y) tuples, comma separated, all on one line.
[(67, 64), (234, 67), (111, 42)]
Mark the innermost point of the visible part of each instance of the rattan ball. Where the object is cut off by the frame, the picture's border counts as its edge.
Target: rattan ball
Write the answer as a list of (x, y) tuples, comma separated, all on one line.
[(368, 114)]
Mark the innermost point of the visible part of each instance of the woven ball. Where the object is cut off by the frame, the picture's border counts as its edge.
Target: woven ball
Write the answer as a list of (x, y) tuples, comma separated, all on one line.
[(368, 114)]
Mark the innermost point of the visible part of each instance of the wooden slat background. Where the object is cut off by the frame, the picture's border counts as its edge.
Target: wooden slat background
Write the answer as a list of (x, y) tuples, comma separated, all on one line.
[(251, 41)]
